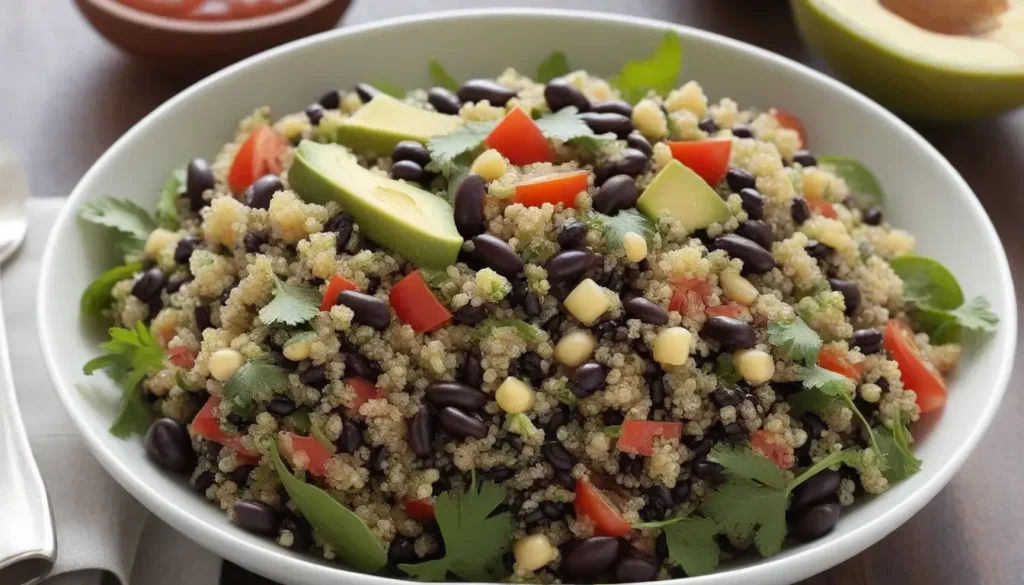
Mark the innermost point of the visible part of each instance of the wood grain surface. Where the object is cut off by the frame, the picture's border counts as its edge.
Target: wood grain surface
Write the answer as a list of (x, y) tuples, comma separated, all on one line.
[(65, 96)]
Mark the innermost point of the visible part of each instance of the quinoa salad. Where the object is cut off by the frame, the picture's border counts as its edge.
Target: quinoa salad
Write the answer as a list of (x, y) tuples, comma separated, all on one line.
[(533, 328)]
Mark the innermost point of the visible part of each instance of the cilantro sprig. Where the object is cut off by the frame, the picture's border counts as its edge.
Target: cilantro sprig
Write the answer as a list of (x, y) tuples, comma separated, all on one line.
[(130, 223), (447, 151), (130, 356), (252, 380), (691, 542), (615, 227), (795, 339), (97, 297), (895, 446), (658, 72), (167, 207), (825, 390), (556, 64), (292, 304)]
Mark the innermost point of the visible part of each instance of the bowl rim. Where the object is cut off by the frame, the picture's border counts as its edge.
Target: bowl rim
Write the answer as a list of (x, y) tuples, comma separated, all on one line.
[(811, 559), (210, 27)]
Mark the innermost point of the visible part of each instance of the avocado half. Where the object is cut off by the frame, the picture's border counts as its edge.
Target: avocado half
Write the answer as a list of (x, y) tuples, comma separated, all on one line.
[(914, 71)]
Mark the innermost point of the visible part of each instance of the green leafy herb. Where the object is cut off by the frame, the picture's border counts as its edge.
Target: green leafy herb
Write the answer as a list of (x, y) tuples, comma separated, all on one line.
[(847, 457), (615, 227), (558, 389), (725, 369), (554, 65), (292, 304), (566, 125), (658, 72), (863, 184), (445, 150), (743, 463), (613, 430), (298, 421), (895, 446), (927, 282), (132, 222), (97, 296), (167, 207), (976, 315), (520, 424), (389, 87), (691, 543), (440, 76), (525, 330), (131, 355), (253, 379), (474, 539), (347, 534), (823, 391), (796, 339)]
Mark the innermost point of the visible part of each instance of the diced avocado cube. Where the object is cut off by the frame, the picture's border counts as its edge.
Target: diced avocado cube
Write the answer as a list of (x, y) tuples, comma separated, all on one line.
[(384, 122), (680, 193)]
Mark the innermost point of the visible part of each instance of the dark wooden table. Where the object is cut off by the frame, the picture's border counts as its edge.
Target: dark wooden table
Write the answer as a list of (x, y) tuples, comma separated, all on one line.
[(65, 96)]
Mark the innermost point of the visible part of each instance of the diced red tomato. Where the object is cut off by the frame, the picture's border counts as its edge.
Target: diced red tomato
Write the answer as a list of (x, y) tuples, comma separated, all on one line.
[(552, 189), (727, 310), (181, 356), (205, 425), (365, 392), (422, 510), (831, 359), (316, 453), (594, 504), (416, 305), (518, 139), (335, 285), (823, 207), (172, 8), (681, 296), (792, 122), (916, 373), (768, 445), (259, 155), (707, 158), (638, 436)]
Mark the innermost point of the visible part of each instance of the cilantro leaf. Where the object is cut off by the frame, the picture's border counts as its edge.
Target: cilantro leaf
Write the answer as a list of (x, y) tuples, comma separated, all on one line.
[(725, 369), (347, 534), (835, 387), (292, 304), (132, 417), (825, 381), (565, 125), (439, 76), (615, 227), (691, 543), (554, 65), (812, 400), (444, 150), (123, 215), (847, 457), (744, 506), (474, 539), (525, 330), (863, 184), (798, 341), (976, 315), (130, 355), (167, 207), (927, 282), (252, 380), (746, 464), (97, 297), (895, 446), (657, 72)]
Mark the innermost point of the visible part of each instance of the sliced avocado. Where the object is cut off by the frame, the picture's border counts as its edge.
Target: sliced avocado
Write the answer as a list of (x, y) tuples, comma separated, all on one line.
[(680, 193), (410, 221), (384, 122)]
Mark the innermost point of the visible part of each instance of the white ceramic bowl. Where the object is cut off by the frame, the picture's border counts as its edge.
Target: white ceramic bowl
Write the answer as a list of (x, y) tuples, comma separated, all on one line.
[(926, 196)]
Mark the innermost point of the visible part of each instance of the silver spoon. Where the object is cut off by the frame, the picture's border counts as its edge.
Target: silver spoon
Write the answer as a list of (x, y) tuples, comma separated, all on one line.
[(28, 545)]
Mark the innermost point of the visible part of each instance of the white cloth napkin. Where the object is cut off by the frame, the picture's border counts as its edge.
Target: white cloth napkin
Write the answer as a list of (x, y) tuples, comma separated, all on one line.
[(102, 532)]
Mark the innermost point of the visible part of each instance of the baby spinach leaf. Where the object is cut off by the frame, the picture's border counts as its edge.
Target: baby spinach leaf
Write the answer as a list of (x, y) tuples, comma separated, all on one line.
[(97, 296), (554, 65), (863, 184), (658, 72), (927, 282), (439, 76)]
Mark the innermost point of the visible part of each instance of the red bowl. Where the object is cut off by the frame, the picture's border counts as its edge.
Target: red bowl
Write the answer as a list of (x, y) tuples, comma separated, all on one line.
[(193, 47)]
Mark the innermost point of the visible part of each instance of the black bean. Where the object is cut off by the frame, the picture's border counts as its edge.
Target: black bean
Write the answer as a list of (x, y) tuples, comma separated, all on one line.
[(198, 179), (421, 432), (302, 534), (572, 235), (476, 90), (531, 306), (203, 481), (167, 443), (255, 517), (726, 396), (497, 255), (499, 474), (149, 285), (819, 488), (378, 458), (602, 123), (654, 510), (341, 225), (645, 310), (702, 448), (351, 437), (443, 100), (411, 150), (551, 510), (636, 141), (259, 194), (514, 442), (868, 340), (741, 131), (619, 107), (315, 113), (183, 251), (753, 202), (461, 425), (872, 216), (805, 159), (358, 365), (707, 470), (558, 456), (366, 92), (850, 292), (568, 266), (565, 479), (708, 125), (331, 100), (280, 406), (739, 179), (635, 567), (534, 518), (590, 557), (632, 163), (253, 241), (175, 283), (469, 314), (799, 210), (587, 378), (731, 333), (556, 421), (757, 231), (472, 372), (241, 475), (202, 315), (681, 492), (813, 425), (817, 521), (651, 369), (656, 390), (734, 432), (559, 93), (407, 170), (366, 310), (314, 376), (816, 249), (618, 192), (661, 494), (612, 417), (469, 205), (755, 258), (372, 284), (530, 364), (442, 394)]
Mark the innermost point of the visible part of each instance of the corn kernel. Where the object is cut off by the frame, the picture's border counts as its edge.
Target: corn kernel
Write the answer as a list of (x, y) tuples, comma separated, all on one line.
[(635, 245), (672, 346), (871, 393), (533, 552), (756, 366), (514, 396), (575, 347), (224, 363), (490, 165), (587, 302), (296, 350), (738, 289)]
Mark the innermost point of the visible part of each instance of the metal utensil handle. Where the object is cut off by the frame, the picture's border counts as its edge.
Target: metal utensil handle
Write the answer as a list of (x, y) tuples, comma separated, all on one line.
[(28, 547)]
